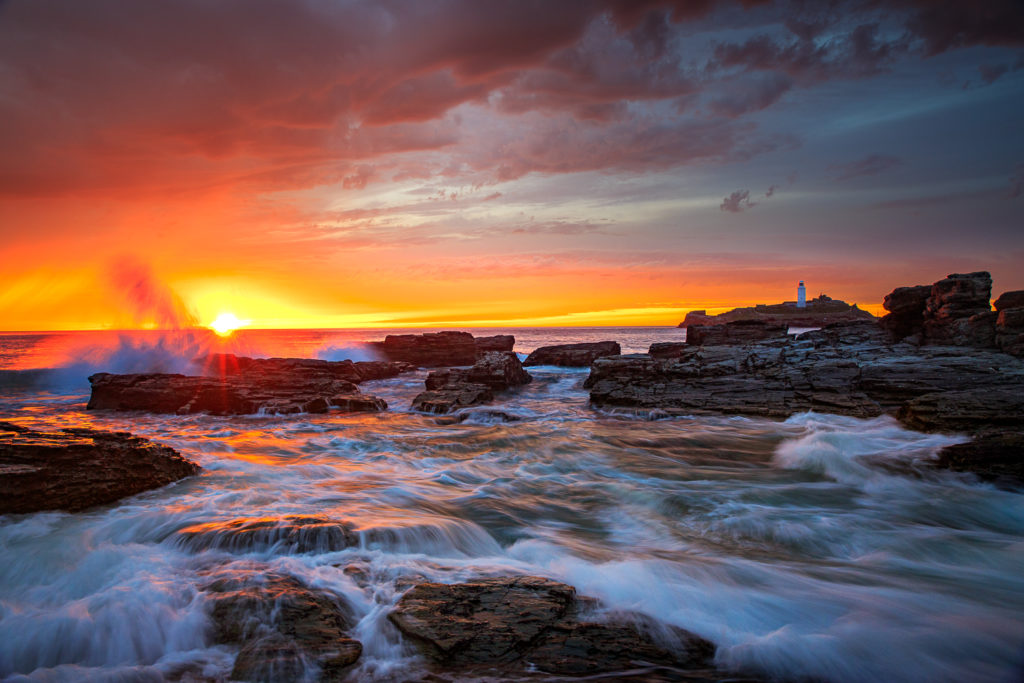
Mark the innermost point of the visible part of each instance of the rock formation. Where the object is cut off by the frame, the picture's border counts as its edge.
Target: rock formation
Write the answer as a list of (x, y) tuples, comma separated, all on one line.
[(75, 469), (572, 355), (451, 389), (292, 534), (440, 349), (282, 626), (511, 625), (237, 386), (955, 311)]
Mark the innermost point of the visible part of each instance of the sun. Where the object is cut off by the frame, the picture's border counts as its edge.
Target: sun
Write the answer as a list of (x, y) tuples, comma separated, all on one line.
[(226, 323)]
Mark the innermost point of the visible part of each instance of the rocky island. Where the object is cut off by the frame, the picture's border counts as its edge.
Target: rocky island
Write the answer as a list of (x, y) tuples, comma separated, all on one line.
[(818, 312)]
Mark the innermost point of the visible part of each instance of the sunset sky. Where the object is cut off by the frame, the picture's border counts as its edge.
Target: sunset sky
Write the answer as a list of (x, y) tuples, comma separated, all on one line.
[(327, 163)]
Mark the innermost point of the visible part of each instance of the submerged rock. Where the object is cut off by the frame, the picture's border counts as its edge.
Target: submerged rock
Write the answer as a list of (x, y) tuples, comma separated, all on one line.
[(286, 630), (238, 386), (289, 534), (573, 355), (455, 388), (516, 624), (75, 469)]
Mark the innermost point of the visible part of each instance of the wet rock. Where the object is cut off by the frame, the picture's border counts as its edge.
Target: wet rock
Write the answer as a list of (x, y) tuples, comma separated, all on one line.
[(308, 389), (451, 389), (531, 623), (739, 332), (993, 456), (75, 469), (449, 398), (290, 534), (573, 355), (286, 630), (906, 311), (967, 410)]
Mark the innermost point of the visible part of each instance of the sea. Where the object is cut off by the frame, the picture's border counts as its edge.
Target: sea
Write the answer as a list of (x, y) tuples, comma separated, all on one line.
[(819, 547)]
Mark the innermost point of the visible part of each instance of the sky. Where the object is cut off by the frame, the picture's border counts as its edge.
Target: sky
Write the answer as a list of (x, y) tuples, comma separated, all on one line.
[(334, 163)]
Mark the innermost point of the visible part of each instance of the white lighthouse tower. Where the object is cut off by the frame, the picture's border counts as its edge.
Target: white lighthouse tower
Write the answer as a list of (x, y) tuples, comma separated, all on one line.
[(801, 296)]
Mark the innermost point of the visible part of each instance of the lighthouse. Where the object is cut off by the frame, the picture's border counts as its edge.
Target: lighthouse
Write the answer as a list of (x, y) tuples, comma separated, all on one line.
[(801, 296)]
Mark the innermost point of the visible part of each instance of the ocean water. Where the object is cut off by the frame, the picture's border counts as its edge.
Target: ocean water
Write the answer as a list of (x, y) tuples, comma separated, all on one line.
[(820, 547)]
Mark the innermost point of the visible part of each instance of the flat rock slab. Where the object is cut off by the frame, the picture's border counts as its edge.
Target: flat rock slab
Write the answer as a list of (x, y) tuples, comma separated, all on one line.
[(573, 355), (75, 469), (282, 627), (515, 624), (440, 349), (846, 369)]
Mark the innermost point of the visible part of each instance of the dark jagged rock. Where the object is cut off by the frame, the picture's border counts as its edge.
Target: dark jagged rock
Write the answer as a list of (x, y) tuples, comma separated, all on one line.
[(958, 313), (739, 332), (281, 626), (847, 368), (75, 469), (290, 534), (1007, 300), (451, 389), (1009, 331), (573, 355), (237, 386), (820, 311), (992, 456), (906, 311), (515, 624)]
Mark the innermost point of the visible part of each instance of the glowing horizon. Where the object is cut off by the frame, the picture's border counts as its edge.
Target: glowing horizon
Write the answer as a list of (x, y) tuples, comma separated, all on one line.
[(484, 164)]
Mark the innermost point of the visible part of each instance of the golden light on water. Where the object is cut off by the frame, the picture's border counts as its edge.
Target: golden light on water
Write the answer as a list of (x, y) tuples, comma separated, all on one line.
[(226, 323)]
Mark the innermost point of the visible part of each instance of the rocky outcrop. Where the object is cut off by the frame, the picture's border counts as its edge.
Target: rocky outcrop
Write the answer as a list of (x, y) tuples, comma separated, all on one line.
[(440, 349), (511, 625), (906, 311), (75, 469), (573, 355), (234, 385), (847, 368), (739, 332), (955, 311), (449, 390), (662, 350), (286, 630)]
